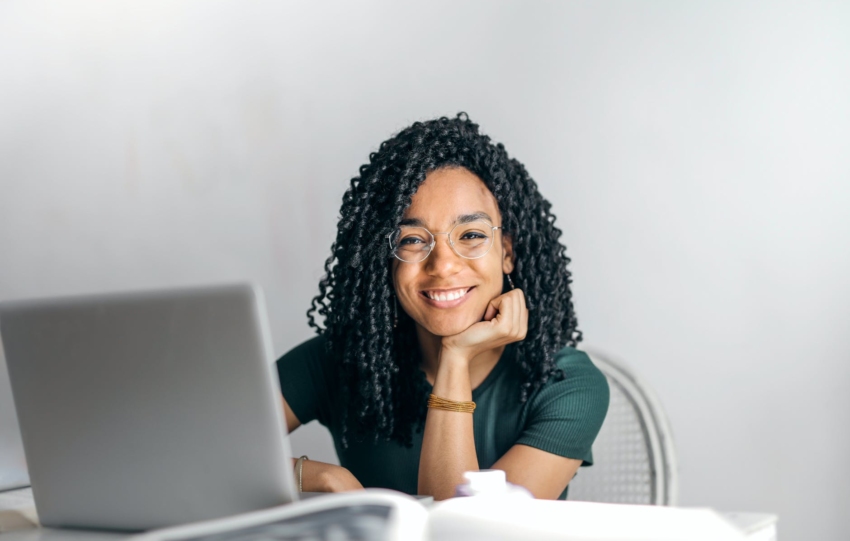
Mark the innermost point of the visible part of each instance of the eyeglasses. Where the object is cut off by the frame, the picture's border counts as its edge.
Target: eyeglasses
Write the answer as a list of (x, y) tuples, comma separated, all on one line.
[(468, 240)]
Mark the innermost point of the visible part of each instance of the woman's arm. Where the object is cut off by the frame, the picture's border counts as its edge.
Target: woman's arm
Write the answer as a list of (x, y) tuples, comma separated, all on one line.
[(323, 477), (445, 459), (292, 421), (448, 443), (319, 476), (448, 446), (546, 475)]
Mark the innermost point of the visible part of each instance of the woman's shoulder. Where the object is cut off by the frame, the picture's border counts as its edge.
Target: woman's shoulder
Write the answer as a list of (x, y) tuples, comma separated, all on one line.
[(316, 345), (566, 413), (312, 352), (576, 361), (306, 380), (582, 381)]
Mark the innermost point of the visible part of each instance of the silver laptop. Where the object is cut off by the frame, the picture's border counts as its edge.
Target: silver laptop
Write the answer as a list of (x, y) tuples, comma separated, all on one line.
[(146, 410), (13, 466)]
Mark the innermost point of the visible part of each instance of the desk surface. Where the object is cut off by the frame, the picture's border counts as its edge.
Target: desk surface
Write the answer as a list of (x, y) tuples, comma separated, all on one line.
[(18, 522)]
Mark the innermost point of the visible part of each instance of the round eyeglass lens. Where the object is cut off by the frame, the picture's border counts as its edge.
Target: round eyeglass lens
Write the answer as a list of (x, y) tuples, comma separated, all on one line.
[(411, 244), (472, 240)]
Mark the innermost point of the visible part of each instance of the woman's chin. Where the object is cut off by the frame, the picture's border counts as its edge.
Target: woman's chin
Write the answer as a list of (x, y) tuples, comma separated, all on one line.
[(448, 328)]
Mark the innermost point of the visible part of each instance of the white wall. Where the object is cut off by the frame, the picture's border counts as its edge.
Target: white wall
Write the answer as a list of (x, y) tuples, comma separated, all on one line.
[(697, 155)]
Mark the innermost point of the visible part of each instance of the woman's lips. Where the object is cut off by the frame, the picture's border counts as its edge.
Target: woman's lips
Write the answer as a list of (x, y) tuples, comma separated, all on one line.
[(451, 297)]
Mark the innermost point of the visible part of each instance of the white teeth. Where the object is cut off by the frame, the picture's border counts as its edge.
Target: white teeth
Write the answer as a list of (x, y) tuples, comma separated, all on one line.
[(450, 296)]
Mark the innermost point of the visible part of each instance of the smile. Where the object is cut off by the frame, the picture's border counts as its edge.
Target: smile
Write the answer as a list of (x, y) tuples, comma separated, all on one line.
[(446, 298)]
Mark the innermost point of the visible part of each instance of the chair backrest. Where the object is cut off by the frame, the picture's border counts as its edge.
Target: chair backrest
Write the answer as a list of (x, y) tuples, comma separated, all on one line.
[(634, 459)]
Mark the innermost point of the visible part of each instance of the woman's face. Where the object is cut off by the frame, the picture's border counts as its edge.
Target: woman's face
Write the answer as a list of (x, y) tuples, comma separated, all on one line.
[(443, 197)]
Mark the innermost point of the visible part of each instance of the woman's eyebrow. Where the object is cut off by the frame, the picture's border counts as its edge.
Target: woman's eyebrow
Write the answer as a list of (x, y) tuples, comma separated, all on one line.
[(414, 222), (462, 219), (474, 217)]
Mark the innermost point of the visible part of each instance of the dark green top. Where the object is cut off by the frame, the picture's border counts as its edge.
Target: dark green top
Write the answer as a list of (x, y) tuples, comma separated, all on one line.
[(562, 417)]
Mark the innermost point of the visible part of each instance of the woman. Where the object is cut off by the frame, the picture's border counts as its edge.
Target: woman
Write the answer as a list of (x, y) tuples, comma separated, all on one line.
[(447, 291)]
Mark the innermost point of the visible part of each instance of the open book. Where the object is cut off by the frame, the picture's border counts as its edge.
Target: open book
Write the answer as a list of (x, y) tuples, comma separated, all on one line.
[(381, 514)]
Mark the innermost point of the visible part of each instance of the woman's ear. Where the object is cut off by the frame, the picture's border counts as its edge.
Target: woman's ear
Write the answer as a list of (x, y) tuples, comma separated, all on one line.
[(508, 254)]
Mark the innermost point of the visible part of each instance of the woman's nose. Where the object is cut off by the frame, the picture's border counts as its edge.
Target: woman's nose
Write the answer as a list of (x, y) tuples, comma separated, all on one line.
[(442, 260)]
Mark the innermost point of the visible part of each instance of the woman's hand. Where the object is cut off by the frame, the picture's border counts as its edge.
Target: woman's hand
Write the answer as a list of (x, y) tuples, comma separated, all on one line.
[(505, 321), (323, 477)]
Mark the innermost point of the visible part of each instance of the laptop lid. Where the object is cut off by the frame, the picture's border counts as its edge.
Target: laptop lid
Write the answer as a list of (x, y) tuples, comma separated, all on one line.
[(143, 410), (13, 466)]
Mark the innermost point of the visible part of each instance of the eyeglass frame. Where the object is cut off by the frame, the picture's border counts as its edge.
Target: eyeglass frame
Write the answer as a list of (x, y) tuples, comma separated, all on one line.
[(448, 233)]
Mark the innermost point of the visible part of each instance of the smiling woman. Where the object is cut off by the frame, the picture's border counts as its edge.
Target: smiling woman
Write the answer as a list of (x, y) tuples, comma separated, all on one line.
[(449, 334)]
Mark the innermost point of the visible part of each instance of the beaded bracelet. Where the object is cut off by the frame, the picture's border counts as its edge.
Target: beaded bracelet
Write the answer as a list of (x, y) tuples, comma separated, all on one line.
[(438, 403)]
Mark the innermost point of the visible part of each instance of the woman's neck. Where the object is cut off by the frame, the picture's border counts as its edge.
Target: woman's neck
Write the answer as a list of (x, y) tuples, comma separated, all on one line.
[(430, 346)]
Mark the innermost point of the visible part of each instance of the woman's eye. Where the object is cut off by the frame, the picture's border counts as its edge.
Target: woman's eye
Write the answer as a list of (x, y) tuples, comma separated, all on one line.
[(473, 235), (409, 241)]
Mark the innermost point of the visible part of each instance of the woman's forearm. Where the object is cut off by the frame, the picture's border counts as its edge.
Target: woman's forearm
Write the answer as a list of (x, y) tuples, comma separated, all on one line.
[(322, 477), (448, 444)]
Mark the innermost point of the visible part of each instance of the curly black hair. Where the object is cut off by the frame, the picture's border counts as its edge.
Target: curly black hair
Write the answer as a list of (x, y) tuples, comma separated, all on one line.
[(381, 380)]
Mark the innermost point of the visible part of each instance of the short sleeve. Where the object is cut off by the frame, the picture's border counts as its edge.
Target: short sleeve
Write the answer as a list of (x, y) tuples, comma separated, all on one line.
[(306, 380), (565, 415)]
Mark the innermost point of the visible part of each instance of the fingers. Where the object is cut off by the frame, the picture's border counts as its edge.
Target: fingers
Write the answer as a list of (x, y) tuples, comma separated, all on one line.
[(510, 313), (520, 315), (492, 310), (523, 316)]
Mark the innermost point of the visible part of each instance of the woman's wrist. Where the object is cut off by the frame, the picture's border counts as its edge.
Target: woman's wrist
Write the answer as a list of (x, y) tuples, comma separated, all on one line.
[(323, 477), (452, 380), (452, 373), (452, 358), (338, 479), (317, 477)]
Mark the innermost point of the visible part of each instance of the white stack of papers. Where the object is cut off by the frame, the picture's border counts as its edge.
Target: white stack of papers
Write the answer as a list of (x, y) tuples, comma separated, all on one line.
[(514, 519)]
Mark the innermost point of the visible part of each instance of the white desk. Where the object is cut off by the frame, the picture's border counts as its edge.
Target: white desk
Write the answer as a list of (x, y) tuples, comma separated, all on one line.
[(17, 511)]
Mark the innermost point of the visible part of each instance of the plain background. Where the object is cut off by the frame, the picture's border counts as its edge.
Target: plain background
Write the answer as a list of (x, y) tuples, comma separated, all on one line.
[(697, 155)]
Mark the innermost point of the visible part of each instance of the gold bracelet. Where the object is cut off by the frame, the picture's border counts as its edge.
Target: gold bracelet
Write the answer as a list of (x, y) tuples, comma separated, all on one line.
[(438, 403)]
